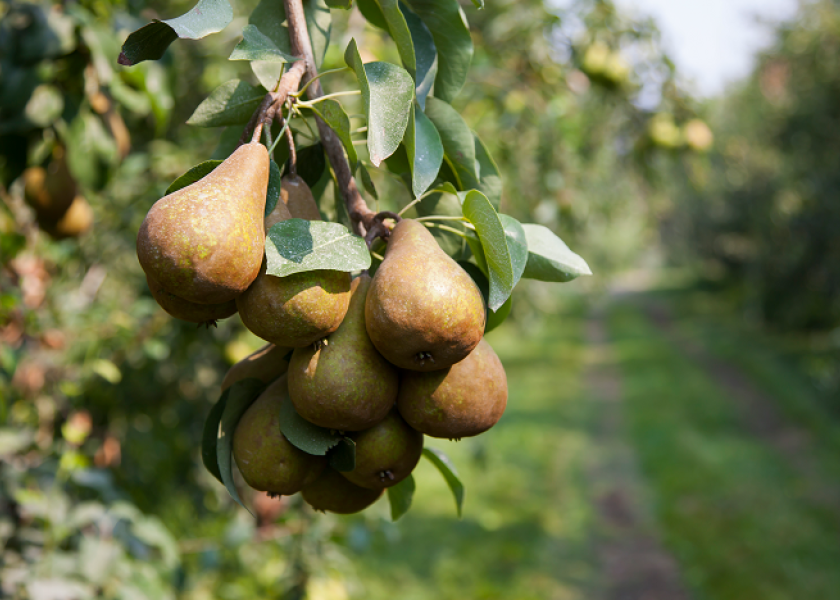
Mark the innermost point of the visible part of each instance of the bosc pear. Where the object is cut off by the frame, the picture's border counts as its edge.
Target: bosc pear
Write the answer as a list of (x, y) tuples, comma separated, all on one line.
[(331, 492), (423, 311), (205, 242), (298, 198), (346, 384), (185, 310)]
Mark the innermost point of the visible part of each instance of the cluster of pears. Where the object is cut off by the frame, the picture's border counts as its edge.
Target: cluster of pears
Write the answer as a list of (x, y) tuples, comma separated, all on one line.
[(385, 359)]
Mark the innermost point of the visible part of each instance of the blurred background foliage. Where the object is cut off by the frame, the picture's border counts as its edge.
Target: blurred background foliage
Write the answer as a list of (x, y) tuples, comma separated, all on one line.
[(103, 396)]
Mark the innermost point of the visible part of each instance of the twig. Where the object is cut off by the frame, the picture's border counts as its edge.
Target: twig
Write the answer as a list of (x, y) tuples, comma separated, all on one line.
[(273, 100)]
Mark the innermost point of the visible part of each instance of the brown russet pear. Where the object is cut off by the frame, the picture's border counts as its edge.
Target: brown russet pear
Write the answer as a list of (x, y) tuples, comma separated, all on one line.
[(334, 493), (297, 196), (344, 384), (189, 311), (267, 460), (266, 364), (386, 453), (464, 400), (205, 242), (423, 311), (279, 213)]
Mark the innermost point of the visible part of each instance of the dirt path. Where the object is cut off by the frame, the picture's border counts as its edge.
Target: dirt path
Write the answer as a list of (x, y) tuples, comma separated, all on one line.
[(634, 564)]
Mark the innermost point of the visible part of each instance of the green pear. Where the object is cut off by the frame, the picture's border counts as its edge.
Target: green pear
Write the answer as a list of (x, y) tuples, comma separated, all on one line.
[(464, 400), (267, 460), (386, 453), (206, 242), (423, 311), (344, 384), (297, 196), (189, 311), (266, 364), (334, 493)]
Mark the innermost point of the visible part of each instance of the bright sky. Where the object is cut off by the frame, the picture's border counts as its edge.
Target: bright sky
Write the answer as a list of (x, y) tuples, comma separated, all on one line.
[(713, 41)]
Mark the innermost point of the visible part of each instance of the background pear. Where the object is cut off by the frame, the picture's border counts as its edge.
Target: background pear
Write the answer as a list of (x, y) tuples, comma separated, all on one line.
[(205, 242), (345, 384), (423, 311), (280, 212), (386, 453), (334, 493), (464, 400), (267, 460), (266, 364), (189, 311), (50, 190), (297, 196), (76, 220)]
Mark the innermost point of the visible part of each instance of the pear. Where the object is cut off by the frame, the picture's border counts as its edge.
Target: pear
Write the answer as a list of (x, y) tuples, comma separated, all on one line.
[(464, 400), (267, 460), (423, 311), (344, 384), (266, 364), (386, 453), (334, 493), (50, 191), (76, 221), (205, 242), (297, 196), (280, 212), (189, 311)]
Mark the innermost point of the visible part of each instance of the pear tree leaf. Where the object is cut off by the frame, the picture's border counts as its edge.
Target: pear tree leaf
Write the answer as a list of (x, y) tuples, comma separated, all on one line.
[(367, 181), (255, 45), (450, 474), (448, 26), (458, 142), (489, 177), (342, 4), (274, 183), (387, 94), (232, 103), (332, 113), (425, 54), (399, 31), (517, 245), (494, 317), (549, 258), (342, 456), (151, 41), (242, 395), (400, 497), (304, 435), (196, 173), (211, 434), (479, 4), (424, 149), (372, 13), (501, 269), (298, 245)]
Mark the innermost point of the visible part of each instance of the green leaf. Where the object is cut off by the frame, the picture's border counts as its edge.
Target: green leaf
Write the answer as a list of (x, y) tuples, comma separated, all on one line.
[(491, 233), (298, 245), (400, 497), (367, 181), (387, 92), (257, 46), (549, 258), (457, 139), (494, 317), (197, 172), (241, 395), (342, 456), (232, 103), (333, 115), (490, 179), (370, 10), (450, 474), (517, 245), (151, 41), (398, 28), (425, 54), (448, 26), (342, 4), (479, 4), (304, 435), (272, 196), (425, 151), (211, 434)]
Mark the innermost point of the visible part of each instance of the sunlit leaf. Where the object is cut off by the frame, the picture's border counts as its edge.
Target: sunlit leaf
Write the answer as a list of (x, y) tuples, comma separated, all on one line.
[(549, 258), (400, 497), (232, 103), (298, 245), (197, 172), (491, 232), (425, 54), (450, 474), (257, 46)]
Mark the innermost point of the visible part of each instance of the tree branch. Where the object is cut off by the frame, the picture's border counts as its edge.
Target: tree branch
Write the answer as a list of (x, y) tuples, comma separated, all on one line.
[(273, 101), (360, 214)]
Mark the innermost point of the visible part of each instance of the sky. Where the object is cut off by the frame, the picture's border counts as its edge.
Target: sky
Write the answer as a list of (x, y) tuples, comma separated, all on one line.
[(712, 42)]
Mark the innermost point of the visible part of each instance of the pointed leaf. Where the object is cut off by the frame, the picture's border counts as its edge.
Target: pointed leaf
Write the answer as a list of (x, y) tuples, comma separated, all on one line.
[(491, 233), (197, 172), (342, 456), (272, 196), (298, 245), (387, 93), (398, 29), (151, 41), (517, 245), (457, 139), (232, 103), (490, 179), (211, 434), (549, 258), (373, 13), (304, 435), (367, 181), (333, 115), (242, 395), (450, 474), (257, 46), (400, 497), (424, 149), (425, 54), (494, 317)]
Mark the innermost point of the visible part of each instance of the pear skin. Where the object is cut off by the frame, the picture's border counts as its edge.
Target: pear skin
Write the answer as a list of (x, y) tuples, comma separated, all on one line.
[(206, 242), (423, 311), (266, 364), (386, 453), (189, 311), (280, 212), (464, 400), (297, 196), (267, 460), (344, 384), (296, 310), (334, 493)]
